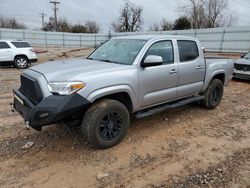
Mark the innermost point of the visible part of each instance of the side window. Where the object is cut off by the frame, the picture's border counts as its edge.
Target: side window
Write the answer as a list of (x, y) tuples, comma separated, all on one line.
[(188, 50), (163, 49), (21, 44), (4, 45)]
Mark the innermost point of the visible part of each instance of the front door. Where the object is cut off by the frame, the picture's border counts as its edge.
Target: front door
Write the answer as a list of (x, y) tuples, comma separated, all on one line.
[(158, 84)]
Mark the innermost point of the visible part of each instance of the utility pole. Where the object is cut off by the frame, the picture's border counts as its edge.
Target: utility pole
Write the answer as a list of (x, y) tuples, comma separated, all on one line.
[(42, 15), (55, 13)]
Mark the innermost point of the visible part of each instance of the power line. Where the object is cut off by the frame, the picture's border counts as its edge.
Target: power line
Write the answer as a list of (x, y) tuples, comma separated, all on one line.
[(55, 13), (20, 15), (42, 15), (240, 3)]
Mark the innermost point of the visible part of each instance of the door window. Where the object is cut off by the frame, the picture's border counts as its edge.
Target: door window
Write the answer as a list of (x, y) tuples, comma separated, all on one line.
[(163, 49), (4, 45), (188, 50)]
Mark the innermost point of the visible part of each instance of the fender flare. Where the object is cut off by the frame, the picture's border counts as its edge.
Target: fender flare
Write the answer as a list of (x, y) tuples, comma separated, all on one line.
[(93, 96), (211, 76)]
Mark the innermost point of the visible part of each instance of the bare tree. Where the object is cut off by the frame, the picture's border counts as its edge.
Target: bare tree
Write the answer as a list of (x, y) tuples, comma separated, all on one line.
[(214, 12), (78, 28), (230, 20), (91, 27), (130, 19), (50, 25), (62, 25), (154, 27), (208, 13), (194, 10), (11, 23), (164, 25)]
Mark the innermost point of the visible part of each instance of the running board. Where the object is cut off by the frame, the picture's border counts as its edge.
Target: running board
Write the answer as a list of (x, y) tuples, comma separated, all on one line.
[(161, 108)]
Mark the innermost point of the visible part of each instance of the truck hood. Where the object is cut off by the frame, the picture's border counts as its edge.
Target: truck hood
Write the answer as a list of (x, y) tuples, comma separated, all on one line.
[(71, 69), (242, 61)]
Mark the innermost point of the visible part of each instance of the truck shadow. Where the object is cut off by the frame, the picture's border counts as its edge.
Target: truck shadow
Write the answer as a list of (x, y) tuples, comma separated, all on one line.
[(56, 140)]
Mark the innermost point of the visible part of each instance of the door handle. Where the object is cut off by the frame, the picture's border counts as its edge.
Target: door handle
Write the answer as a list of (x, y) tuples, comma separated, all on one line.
[(173, 71), (199, 67)]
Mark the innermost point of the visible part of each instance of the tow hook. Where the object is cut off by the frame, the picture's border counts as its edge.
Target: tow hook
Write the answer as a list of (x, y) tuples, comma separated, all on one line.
[(12, 107), (27, 123)]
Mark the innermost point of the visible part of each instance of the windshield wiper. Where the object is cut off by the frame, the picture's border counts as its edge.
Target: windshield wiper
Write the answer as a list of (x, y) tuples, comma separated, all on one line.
[(108, 61), (104, 60)]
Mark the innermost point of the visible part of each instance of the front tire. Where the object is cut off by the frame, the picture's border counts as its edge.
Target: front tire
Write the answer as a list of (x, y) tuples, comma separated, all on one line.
[(21, 62), (105, 123), (213, 94)]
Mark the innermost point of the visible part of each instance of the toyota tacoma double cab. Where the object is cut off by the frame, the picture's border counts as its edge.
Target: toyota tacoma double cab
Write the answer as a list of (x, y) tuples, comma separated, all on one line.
[(17, 53), (133, 76)]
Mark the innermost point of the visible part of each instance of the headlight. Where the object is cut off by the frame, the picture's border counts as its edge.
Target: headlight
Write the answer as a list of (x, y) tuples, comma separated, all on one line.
[(65, 88)]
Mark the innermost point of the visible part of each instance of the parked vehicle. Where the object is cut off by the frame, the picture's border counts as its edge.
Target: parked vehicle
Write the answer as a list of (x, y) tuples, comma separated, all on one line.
[(17, 53), (242, 67), (136, 75)]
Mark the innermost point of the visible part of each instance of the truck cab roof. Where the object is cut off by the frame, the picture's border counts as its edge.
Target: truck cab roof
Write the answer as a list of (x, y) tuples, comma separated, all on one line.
[(152, 37)]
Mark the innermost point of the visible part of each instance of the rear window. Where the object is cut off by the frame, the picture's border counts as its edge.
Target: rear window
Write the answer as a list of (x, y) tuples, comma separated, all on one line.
[(4, 45), (21, 44), (188, 50)]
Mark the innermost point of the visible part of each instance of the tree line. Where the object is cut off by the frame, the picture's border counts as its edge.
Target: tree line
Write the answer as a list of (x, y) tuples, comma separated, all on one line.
[(64, 26), (195, 14)]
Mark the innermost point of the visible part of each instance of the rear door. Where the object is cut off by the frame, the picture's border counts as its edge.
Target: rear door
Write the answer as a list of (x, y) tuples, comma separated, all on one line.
[(158, 84), (191, 68), (6, 53)]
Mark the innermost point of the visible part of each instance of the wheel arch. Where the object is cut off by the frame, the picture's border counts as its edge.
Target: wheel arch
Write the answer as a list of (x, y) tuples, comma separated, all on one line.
[(21, 55), (123, 94), (219, 74)]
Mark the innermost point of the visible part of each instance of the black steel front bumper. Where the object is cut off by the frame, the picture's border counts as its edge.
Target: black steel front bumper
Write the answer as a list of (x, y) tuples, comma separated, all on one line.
[(49, 110)]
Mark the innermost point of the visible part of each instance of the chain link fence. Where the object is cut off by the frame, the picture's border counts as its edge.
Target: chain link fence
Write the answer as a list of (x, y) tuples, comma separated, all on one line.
[(232, 39)]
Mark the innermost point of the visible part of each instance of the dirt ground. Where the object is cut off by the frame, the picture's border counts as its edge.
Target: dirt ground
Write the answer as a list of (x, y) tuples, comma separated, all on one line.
[(185, 147)]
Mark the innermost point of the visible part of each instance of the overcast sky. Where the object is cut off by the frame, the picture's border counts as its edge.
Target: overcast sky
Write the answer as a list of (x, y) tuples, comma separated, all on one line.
[(103, 11)]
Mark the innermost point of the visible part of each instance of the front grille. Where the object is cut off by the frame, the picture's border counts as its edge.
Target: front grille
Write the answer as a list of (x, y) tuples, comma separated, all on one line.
[(30, 88), (242, 67)]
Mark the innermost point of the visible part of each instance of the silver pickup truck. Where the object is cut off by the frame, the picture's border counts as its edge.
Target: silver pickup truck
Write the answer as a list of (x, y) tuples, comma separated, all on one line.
[(127, 76)]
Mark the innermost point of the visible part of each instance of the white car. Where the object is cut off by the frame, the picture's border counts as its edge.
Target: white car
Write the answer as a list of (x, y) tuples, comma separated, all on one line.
[(17, 53)]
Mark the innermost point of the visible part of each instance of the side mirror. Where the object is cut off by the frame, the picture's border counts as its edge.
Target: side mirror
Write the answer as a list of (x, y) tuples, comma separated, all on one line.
[(98, 45), (242, 55), (203, 49), (152, 60)]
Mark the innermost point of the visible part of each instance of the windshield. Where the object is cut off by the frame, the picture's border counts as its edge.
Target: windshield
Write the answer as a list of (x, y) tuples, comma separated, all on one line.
[(121, 51), (247, 56)]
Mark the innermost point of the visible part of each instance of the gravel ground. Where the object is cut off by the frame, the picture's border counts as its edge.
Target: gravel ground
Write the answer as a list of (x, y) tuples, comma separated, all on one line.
[(184, 147)]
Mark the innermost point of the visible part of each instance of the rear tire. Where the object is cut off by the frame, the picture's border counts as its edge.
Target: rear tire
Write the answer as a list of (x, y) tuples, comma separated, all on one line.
[(213, 94), (21, 62), (105, 123)]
